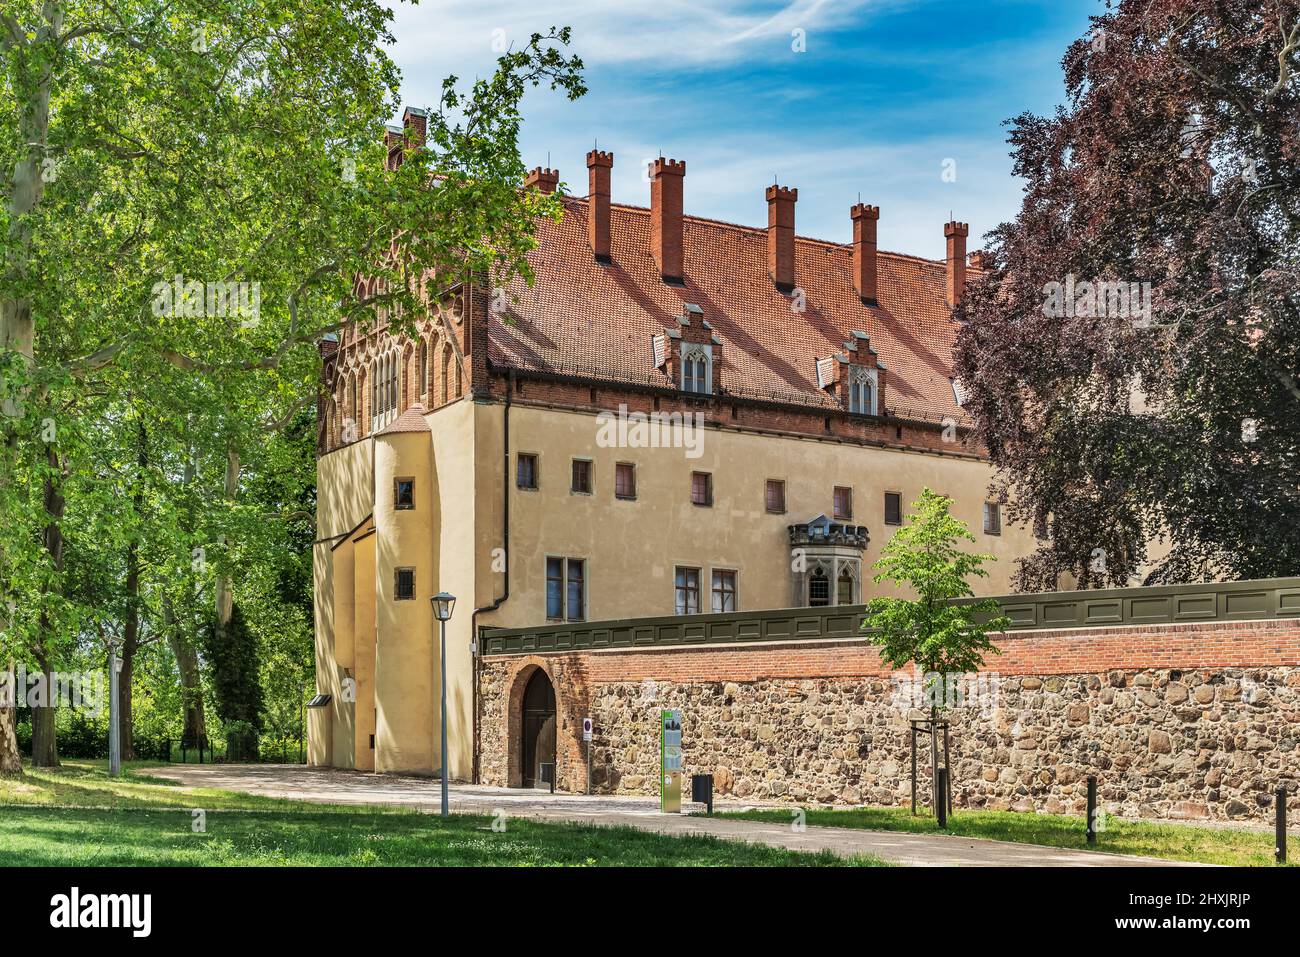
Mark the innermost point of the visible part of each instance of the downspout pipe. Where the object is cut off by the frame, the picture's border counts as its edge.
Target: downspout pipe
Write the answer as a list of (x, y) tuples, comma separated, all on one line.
[(505, 544)]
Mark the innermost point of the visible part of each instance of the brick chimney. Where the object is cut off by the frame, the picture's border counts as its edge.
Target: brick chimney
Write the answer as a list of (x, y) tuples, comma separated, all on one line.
[(415, 123), (780, 235), (956, 234), (544, 179), (864, 251), (666, 177), (978, 260), (598, 166)]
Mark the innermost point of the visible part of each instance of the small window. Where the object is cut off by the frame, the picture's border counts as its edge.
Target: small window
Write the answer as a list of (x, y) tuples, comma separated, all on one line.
[(843, 503), (844, 588), (819, 589), (860, 398), (526, 470), (581, 481), (992, 518), (724, 590), (404, 493), (893, 508), (702, 488), (625, 480), (566, 589), (696, 373), (687, 584), (404, 584), (775, 496)]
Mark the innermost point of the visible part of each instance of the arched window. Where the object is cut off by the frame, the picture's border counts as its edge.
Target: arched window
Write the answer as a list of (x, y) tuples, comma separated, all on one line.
[(819, 589), (696, 375), (845, 587), (862, 400), (446, 373), (423, 359)]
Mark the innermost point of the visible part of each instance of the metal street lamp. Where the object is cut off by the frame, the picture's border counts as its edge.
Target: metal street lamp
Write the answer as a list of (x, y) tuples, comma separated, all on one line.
[(114, 706), (443, 603)]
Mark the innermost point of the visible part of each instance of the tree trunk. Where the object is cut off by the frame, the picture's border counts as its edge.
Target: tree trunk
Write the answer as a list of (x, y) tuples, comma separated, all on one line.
[(225, 588), (10, 760), (193, 725), (45, 746), (17, 326), (934, 757)]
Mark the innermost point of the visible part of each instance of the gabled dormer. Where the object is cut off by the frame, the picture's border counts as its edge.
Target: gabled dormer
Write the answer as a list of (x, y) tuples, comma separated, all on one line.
[(856, 376)]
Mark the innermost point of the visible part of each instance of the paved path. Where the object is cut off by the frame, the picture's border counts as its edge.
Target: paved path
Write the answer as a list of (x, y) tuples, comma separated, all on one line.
[(328, 786)]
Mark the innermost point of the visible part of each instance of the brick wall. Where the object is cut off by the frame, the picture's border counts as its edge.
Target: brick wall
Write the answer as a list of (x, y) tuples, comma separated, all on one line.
[(1196, 721)]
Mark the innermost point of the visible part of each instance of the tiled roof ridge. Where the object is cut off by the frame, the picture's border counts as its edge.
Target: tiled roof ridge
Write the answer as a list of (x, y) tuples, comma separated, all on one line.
[(762, 231)]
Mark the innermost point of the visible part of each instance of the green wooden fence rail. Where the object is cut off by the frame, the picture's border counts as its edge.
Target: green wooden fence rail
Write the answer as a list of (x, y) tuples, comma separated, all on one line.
[(1158, 605)]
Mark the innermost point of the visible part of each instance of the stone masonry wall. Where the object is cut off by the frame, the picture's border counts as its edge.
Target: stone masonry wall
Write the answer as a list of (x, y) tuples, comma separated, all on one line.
[(825, 723)]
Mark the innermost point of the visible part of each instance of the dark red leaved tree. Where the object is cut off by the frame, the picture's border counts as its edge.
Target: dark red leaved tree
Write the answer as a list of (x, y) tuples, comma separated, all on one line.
[(1175, 166)]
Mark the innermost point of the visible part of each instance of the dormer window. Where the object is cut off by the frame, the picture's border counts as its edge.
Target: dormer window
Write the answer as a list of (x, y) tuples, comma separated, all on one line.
[(697, 369), (958, 392)]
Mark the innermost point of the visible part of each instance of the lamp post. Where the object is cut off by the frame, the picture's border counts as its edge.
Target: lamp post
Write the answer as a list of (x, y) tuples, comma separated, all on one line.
[(443, 604), (114, 706)]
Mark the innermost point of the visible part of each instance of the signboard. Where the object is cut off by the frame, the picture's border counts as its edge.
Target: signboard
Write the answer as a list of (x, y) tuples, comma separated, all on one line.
[(586, 729), (670, 762)]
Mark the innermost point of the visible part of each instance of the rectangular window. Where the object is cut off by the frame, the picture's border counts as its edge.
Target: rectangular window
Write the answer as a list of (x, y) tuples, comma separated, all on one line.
[(576, 600), (526, 471), (775, 496), (581, 477), (701, 488), (404, 584), (843, 503), (625, 480), (404, 493), (724, 590), (566, 589), (992, 518), (893, 508), (687, 582)]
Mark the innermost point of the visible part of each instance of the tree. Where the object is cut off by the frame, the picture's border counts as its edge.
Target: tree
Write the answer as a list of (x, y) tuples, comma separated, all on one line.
[(939, 631), (145, 147), (1165, 403)]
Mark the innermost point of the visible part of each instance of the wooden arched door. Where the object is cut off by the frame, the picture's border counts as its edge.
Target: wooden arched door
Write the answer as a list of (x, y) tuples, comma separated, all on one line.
[(539, 728)]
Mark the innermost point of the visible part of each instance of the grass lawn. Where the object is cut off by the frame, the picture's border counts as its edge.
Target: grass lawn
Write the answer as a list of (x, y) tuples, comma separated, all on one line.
[(77, 816), (1175, 842)]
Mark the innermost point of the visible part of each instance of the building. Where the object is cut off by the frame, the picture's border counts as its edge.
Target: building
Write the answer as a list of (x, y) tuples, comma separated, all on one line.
[(680, 416)]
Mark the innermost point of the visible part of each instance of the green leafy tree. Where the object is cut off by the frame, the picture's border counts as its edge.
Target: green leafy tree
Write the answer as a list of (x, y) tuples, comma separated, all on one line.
[(940, 631), (236, 143)]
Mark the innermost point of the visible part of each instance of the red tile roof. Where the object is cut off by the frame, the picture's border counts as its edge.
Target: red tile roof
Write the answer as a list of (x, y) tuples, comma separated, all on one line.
[(587, 319)]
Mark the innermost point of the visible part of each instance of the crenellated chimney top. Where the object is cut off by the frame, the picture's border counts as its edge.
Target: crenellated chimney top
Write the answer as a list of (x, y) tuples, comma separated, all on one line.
[(780, 235), (544, 179), (865, 278), (956, 234), (666, 243), (598, 170)]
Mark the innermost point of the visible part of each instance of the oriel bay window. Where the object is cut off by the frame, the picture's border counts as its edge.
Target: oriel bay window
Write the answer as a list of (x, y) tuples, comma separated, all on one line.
[(566, 589)]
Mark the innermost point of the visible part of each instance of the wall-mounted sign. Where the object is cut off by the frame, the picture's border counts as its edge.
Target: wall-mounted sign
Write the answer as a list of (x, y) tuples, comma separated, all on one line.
[(670, 762), (586, 729)]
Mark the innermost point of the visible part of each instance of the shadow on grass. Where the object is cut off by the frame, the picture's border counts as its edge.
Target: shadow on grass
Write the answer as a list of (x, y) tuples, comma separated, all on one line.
[(83, 837)]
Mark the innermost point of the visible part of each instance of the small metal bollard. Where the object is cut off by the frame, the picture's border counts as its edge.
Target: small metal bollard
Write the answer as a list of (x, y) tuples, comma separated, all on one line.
[(1092, 809), (941, 795), (1279, 852), (702, 790), (548, 773)]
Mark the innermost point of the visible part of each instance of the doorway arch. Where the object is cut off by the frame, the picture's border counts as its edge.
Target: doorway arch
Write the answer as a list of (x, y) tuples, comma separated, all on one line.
[(538, 727)]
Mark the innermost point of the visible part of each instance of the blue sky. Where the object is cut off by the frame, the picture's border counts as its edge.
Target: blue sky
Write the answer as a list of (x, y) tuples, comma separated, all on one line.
[(882, 95)]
